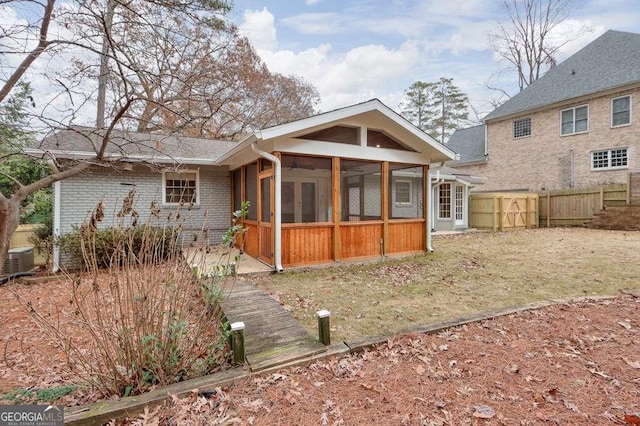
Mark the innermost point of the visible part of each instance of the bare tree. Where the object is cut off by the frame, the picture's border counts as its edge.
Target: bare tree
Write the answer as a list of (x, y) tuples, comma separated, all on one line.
[(26, 43), (526, 40)]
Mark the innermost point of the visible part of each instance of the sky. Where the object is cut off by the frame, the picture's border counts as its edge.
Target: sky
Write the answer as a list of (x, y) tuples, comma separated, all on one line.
[(356, 50)]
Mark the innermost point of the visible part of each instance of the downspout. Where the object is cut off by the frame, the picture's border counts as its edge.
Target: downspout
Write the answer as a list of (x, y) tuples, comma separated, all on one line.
[(431, 209), (56, 226), (277, 204)]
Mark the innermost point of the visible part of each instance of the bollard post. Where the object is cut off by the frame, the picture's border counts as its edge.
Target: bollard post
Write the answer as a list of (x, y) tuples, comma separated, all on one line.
[(237, 342), (324, 333)]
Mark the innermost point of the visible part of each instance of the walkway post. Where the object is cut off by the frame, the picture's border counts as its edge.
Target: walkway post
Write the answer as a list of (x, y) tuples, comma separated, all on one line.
[(324, 333), (237, 342)]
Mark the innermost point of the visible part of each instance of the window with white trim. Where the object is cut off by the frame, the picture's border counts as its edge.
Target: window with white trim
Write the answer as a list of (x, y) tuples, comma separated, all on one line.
[(621, 111), (522, 128), (574, 120), (444, 201), (181, 187), (609, 159), (402, 191)]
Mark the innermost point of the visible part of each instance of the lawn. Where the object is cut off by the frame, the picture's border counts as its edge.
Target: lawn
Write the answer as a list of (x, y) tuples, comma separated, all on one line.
[(467, 273)]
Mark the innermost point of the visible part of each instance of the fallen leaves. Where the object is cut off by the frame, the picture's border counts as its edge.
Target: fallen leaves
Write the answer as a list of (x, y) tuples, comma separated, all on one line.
[(634, 364), (458, 376)]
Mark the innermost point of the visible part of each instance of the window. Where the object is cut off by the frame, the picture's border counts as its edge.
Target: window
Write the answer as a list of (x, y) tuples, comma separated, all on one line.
[(444, 201), (522, 128), (621, 111), (609, 159), (180, 187), (403, 192), (574, 120)]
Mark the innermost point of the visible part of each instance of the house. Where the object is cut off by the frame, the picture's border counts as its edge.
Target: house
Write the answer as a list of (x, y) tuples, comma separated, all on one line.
[(346, 184), (450, 194), (573, 127)]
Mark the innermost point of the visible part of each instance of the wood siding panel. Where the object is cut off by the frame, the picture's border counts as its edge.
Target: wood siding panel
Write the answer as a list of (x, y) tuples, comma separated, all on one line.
[(407, 236), (360, 239), (251, 240), (266, 243), (303, 245)]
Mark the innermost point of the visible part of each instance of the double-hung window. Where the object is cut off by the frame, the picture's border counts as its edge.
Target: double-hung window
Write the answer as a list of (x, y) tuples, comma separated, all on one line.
[(522, 128), (444, 201), (621, 111), (180, 187), (609, 159), (574, 120)]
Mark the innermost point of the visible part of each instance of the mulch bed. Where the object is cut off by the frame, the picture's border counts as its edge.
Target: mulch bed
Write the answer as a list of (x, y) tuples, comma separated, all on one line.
[(565, 364)]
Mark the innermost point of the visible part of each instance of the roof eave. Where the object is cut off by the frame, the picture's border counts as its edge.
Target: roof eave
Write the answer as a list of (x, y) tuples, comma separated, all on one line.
[(85, 155)]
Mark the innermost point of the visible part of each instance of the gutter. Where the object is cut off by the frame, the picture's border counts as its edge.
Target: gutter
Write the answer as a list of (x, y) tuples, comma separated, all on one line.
[(56, 226), (277, 204)]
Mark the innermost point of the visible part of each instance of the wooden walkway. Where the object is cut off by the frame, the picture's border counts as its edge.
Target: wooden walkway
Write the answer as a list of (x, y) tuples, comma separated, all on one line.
[(272, 336)]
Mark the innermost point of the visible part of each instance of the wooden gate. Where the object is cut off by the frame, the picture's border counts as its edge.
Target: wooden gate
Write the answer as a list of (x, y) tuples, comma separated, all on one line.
[(503, 211)]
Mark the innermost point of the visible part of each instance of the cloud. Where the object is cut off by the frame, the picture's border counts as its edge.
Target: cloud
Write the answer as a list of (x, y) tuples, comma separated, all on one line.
[(312, 2), (259, 27)]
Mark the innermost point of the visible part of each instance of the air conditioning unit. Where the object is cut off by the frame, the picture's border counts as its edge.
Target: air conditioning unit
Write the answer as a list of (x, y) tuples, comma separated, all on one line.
[(19, 259)]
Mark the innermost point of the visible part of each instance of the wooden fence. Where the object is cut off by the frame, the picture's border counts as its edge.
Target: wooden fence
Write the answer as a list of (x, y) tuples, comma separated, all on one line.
[(503, 211), (575, 207), (633, 189)]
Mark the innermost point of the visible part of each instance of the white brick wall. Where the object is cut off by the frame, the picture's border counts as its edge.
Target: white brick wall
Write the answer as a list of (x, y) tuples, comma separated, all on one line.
[(542, 160), (80, 195)]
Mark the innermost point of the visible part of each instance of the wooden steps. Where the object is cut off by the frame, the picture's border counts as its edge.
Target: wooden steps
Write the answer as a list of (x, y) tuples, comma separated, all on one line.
[(272, 336)]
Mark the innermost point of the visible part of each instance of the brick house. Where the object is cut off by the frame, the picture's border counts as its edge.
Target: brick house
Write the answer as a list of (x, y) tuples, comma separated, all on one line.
[(573, 127)]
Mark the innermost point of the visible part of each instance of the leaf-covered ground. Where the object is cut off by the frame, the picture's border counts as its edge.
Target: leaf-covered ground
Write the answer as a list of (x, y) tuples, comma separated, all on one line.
[(468, 273), (567, 364)]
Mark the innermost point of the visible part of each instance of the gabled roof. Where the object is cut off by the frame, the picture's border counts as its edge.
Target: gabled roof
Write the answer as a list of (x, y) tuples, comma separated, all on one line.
[(83, 142), (334, 116), (610, 61), (469, 144)]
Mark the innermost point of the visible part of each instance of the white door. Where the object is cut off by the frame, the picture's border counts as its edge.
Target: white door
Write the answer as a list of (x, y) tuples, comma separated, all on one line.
[(459, 207)]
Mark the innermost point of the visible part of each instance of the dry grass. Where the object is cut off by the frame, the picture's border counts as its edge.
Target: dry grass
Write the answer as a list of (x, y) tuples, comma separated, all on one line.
[(468, 273)]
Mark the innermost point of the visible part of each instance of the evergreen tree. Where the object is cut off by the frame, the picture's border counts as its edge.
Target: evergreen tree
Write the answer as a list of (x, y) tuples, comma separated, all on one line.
[(418, 104), (436, 108), (450, 105)]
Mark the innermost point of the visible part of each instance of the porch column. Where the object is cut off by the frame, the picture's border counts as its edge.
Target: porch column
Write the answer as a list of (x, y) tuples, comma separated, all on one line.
[(385, 207), (337, 207), (426, 207)]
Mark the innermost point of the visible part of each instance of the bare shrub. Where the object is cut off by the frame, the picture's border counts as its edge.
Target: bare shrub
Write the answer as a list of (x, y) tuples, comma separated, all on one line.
[(152, 321)]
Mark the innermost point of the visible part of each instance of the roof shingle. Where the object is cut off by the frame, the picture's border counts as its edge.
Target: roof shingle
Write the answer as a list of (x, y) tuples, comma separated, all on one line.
[(610, 61)]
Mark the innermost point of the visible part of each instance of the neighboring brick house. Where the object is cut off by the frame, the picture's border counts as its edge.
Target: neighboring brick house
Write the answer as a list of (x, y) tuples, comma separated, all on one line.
[(573, 127)]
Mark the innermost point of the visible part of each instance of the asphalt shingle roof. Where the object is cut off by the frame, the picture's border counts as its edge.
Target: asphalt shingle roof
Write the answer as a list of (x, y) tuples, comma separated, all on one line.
[(131, 144), (468, 143), (612, 60)]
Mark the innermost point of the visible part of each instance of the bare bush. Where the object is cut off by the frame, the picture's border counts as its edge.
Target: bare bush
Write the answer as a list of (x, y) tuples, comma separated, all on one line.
[(151, 320)]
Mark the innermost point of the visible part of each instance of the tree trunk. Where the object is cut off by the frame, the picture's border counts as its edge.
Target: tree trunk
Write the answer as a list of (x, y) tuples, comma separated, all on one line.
[(9, 218)]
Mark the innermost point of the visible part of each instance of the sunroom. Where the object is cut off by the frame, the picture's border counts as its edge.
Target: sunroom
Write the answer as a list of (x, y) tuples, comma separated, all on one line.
[(344, 185)]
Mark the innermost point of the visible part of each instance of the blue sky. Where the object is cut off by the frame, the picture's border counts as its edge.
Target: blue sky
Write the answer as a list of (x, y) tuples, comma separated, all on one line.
[(356, 50)]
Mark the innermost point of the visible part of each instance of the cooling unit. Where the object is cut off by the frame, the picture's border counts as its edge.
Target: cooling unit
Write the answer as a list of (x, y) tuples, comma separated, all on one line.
[(19, 259)]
